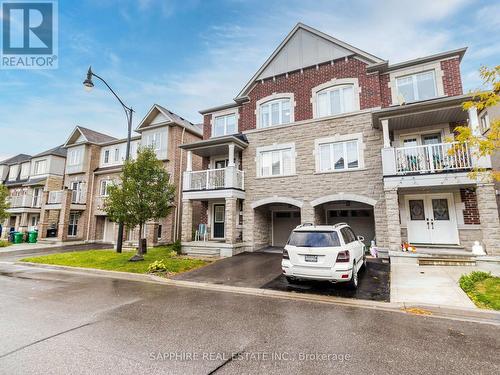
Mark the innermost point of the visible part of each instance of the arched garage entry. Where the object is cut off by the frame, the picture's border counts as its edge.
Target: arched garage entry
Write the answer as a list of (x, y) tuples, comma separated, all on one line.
[(274, 219), (353, 209)]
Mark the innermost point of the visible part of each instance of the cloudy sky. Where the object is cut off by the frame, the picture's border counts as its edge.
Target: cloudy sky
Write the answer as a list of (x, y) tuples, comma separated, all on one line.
[(191, 54)]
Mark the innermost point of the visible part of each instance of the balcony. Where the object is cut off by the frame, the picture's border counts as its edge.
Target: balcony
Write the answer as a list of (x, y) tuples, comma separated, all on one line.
[(78, 197), (213, 179), (55, 197), (23, 202)]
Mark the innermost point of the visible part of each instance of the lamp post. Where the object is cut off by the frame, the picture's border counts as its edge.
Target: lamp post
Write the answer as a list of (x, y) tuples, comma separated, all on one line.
[(89, 85)]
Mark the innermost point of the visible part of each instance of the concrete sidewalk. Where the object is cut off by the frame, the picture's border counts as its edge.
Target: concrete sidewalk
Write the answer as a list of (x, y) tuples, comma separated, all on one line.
[(434, 285)]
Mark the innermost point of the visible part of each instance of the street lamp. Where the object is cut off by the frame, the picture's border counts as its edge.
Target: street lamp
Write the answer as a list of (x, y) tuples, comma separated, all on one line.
[(89, 85)]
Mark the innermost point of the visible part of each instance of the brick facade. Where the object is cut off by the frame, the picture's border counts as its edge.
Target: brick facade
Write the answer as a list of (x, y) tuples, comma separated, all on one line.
[(452, 80), (470, 212)]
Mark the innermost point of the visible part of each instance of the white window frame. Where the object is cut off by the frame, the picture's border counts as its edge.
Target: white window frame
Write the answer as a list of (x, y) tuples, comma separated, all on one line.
[(484, 122), (273, 98), (232, 111), (340, 139), (276, 147), (416, 93), (117, 154), (332, 85), (105, 158), (153, 140), (37, 170), (25, 170), (74, 156), (400, 73), (106, 182)]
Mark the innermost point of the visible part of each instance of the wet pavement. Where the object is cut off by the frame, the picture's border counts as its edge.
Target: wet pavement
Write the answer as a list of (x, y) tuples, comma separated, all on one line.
[(54, 322), (263, 270)]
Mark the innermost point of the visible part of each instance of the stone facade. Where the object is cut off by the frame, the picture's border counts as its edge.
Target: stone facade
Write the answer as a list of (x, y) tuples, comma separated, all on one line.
[(490, 225)]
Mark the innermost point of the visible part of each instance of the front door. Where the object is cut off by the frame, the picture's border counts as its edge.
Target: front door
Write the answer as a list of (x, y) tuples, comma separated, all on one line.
[(431, 219), (219, 219), (73, 224)]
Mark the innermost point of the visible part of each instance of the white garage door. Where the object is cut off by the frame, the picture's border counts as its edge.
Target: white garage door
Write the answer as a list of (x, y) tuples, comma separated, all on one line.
[(283, 223)]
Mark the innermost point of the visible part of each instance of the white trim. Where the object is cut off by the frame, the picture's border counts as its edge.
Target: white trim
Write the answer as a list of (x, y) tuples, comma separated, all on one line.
[(344, 197), (331, 84), (276, 199), (434, 66), (272, 97), (275, 147), (337, 138), (226, 112)]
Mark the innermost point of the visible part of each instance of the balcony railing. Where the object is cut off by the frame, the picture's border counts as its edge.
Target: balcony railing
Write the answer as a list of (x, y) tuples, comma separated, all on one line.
[(23, 201), (55, 197), (211, 179), (426, 159)]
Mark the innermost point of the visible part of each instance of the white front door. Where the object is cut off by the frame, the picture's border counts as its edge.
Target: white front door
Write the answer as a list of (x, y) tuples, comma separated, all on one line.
[(431, 219), (109, 231)]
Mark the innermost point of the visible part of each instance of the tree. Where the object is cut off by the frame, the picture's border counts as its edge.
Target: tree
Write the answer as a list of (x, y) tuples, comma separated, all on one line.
[(144, 194), (488, 144), (4, 205)]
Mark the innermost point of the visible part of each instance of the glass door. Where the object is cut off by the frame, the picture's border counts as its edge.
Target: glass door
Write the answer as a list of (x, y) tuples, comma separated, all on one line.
[(219, 220), (73, 224)]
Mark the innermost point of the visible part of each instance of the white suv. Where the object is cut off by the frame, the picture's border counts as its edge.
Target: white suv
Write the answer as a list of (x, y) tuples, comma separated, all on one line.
[(324, 252)]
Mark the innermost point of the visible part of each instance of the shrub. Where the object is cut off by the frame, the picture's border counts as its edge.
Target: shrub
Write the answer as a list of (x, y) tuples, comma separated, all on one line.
[(467, 282), (4, 243), (176, 246), (157, 266)]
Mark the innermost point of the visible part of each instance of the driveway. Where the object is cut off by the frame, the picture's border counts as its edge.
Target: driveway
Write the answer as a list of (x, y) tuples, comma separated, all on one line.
[(263, 270)]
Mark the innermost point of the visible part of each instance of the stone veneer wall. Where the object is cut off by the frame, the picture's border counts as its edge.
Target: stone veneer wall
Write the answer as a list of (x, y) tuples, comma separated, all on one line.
[(306, 184)]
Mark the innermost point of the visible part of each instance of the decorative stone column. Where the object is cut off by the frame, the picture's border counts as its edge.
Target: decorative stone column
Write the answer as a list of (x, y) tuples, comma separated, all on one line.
[(307, 214), (187, 220), (23, 225), (488, 216), (393, 224), (62, 229), (231, 217)]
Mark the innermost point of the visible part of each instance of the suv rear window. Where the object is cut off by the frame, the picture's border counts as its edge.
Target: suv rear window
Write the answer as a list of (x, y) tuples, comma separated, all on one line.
[(314, 239)]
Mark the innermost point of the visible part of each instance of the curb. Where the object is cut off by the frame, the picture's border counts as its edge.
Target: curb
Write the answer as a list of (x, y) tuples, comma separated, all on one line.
[(435, 311)]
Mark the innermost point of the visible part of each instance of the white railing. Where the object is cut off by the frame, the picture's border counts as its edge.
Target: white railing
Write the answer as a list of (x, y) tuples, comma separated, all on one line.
[(55, 197), (211, 179), (432, 158), (21, 201)]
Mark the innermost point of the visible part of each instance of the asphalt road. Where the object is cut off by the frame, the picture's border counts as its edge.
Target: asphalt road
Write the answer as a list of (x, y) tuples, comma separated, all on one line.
[(54, 322)]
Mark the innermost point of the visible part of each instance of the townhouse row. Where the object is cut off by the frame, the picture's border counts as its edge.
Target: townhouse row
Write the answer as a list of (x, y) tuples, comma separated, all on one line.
[(322, 133), (61, 192)]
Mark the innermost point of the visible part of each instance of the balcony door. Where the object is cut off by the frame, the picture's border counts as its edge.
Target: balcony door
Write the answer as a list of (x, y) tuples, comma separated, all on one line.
[(219, 219), (73, 224), (219, 164), (431, 219)]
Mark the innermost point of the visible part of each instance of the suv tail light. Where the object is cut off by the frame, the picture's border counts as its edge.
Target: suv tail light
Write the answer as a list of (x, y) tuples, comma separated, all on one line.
[(343, 256), (285, 254)]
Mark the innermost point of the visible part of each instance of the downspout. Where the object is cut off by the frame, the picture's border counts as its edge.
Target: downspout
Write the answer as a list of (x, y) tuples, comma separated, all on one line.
[(179, 193)]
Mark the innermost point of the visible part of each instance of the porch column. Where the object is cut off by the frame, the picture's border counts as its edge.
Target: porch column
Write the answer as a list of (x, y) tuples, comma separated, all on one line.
[(393, 224), (307, 214), (231, 155), (231, 205), (62, 229), (488, 216), (189, 161), (187, 220), (385, 132), (43, 222), (23, 225), (474, 121)]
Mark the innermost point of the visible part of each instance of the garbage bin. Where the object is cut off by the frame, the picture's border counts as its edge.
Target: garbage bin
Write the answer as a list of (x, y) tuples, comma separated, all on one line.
[(32, 237), (18, 237)]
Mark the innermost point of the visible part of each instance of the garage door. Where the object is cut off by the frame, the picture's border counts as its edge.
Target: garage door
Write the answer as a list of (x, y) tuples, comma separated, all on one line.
[(283, 223), (360, 220)]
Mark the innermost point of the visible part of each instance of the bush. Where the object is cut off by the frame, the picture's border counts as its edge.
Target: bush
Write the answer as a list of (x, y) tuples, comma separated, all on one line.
[(467, 282), (4, 243), (176, 246), (157, 266)]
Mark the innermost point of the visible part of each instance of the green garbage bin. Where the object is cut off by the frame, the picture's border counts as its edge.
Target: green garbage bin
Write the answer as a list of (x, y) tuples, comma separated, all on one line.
[(32, 237), (18, 237)]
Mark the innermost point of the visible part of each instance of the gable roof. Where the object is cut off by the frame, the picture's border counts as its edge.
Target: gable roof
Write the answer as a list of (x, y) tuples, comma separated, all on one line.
[(159, 115), (57, 151), (20, 158), (89, 136), (305, 46)]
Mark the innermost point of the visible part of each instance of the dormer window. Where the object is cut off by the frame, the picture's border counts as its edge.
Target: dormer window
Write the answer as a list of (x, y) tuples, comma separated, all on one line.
[(335, 100), (275, 112), (224, 125), (40, 166), (415, 87)]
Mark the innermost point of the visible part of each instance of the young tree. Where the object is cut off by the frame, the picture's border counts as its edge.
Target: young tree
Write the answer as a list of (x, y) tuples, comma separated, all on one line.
[(490, 142), (4, 205), (145, 193)]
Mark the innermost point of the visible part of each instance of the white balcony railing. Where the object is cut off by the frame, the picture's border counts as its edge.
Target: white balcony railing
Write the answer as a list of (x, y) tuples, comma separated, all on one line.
[(55, 197), (21, 201), (211, 179)]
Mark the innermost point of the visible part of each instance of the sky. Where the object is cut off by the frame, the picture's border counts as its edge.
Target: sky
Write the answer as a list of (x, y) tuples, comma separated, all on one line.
[(190, 55)]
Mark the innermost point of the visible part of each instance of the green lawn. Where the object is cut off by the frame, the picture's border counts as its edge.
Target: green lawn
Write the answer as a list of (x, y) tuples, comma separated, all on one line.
[(4, 243), (483, 289), (110, 260)]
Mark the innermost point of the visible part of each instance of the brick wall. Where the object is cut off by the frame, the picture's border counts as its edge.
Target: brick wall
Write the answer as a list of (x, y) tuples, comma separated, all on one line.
[(385, 90), (452, 80), (471, 212)]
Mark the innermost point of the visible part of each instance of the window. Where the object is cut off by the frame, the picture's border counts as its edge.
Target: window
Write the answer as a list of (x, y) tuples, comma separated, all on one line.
[(420, 86), (275, 112), (348, 235), (484, 122), (106, 156), (25, 171), (276, 163), (153, 141), (158, 233), (335, 100), (224, 125), (104, 187), (39, 167), (314, 239), (74, 156), (117, 154), (338, 156)]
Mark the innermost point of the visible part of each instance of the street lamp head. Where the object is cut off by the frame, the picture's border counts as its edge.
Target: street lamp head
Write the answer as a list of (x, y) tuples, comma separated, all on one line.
[(88, 84)]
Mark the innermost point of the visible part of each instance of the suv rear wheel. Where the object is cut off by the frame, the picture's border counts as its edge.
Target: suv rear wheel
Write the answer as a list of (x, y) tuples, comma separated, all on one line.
[(353, 284)]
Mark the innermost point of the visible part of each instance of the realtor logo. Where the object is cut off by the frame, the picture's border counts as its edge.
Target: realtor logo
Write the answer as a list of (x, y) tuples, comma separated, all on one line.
[(29, 35)]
